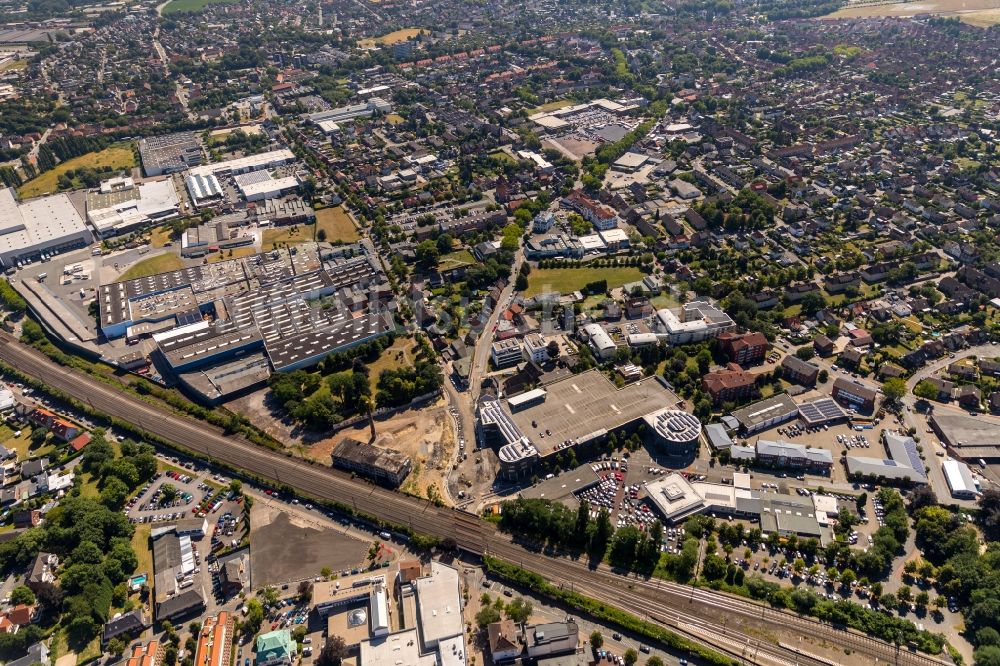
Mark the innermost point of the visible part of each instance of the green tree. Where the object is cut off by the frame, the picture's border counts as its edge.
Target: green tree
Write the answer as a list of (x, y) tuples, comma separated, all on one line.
[(519, 610), (596, 640), (487, 615), (22, 595), (427, 254), (926, 389), (630, 657), (894, 389), (254, 617)]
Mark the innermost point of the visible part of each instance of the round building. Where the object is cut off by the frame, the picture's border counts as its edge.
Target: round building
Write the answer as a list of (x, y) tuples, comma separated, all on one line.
[(675, 431)]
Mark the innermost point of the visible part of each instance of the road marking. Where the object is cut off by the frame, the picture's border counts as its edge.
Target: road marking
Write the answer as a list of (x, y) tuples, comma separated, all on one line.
[(570, 409)]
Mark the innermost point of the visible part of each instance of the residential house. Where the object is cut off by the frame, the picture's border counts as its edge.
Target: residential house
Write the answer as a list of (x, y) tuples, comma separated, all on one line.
[(744, 348), (823, 345), (729, 384), (969, 396), (42, 571), (797, 371), (504, 641)]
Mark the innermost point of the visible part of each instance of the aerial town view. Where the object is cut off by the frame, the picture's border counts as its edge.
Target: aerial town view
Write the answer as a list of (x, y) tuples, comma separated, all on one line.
[(488, 332)]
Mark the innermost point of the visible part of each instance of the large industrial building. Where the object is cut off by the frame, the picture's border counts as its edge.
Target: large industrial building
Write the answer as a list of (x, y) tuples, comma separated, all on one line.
[(46, 225), (696, 321), (677, 498), (960, 480), (969, 438), (327, 120), (170, 153), (386, 466), (576, 410), (293, 307), (902, 465), (120, 206), (175, 594)]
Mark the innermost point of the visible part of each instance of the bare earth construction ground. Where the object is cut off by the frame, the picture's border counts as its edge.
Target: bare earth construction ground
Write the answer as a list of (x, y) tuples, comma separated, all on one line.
[(982, 13), (286, 548)]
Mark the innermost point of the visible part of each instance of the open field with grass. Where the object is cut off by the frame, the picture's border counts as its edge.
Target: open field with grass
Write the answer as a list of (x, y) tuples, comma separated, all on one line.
[(290, 235), (14, 65), (455, 260), (393, 37), (337, 225), (401, 354), (161, 263), (568, 280), (394, 119), (552, 106), (175, 6), (116, 157), (234, 253), (948, 7), (981, 19), (22, 444), (160, 236), (140, 544)]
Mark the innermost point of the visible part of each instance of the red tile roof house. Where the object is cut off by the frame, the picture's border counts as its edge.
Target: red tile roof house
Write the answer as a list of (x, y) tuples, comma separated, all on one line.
[(78, 443)]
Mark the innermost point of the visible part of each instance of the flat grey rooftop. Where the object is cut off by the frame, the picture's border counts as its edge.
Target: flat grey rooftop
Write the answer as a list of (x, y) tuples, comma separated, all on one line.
[(584, 404)]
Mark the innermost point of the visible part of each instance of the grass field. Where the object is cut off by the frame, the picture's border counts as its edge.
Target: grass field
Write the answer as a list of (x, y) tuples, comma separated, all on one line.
[(296, 233), (116, 157), (192, 5), (337, 225), (456, 260), (161, 263), (21, 444), (14, 65), (568, 280), (552, 106), (234, 253), (394, 119), (160, 236), (386, 40), (401, 354), (140, 544)]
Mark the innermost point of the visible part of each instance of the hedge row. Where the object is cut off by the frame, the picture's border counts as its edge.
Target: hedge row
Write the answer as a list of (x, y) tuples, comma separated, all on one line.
[(601, 611)]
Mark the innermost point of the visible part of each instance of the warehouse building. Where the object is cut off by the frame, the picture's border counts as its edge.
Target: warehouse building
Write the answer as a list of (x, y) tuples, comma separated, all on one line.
[(766, 414), (175, 594), (386, 466), (121, 206), (261, 184), (203, 189), (854, 394), (43, 226), (366, 109), (170, 153), (960, 480), (903, 464)]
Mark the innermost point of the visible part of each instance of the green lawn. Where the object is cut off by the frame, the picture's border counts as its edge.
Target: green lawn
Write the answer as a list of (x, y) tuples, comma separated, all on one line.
[(22, 444), (552, 106), (117, 157), (192, 5), (140, 544), (290, 235), (456, 260), (568, 280), (161, 263), (337, 225)]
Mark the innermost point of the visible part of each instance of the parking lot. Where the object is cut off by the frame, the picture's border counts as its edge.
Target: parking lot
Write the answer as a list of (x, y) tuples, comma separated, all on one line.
[(174, 495)]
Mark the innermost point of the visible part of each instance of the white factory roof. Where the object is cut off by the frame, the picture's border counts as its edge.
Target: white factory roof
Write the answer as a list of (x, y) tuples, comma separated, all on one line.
[(615, 235), (959, 477), (328, 126), (674, 496), (439, 597), (592, 243), (202, 186), (36, 221), (599, 337), (266, 185), (399, 649), (156, 199), (248, 163), (526, 397)]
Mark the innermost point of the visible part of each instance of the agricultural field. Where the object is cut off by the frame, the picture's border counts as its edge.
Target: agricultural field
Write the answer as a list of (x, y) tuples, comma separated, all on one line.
[(116, 157), (175, 6), (389, 39), (337, 225), (986, 10), (160, 263), (568, 280)]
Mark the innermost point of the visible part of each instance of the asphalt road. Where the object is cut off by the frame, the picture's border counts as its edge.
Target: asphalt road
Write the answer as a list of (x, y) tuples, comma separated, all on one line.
[(715, 618)]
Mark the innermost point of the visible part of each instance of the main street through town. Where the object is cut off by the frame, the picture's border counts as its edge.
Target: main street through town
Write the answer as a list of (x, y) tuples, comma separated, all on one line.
[(730, 624)]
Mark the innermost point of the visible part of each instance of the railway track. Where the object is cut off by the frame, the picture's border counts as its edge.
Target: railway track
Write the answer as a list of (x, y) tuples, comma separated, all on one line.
[(667, 603)]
